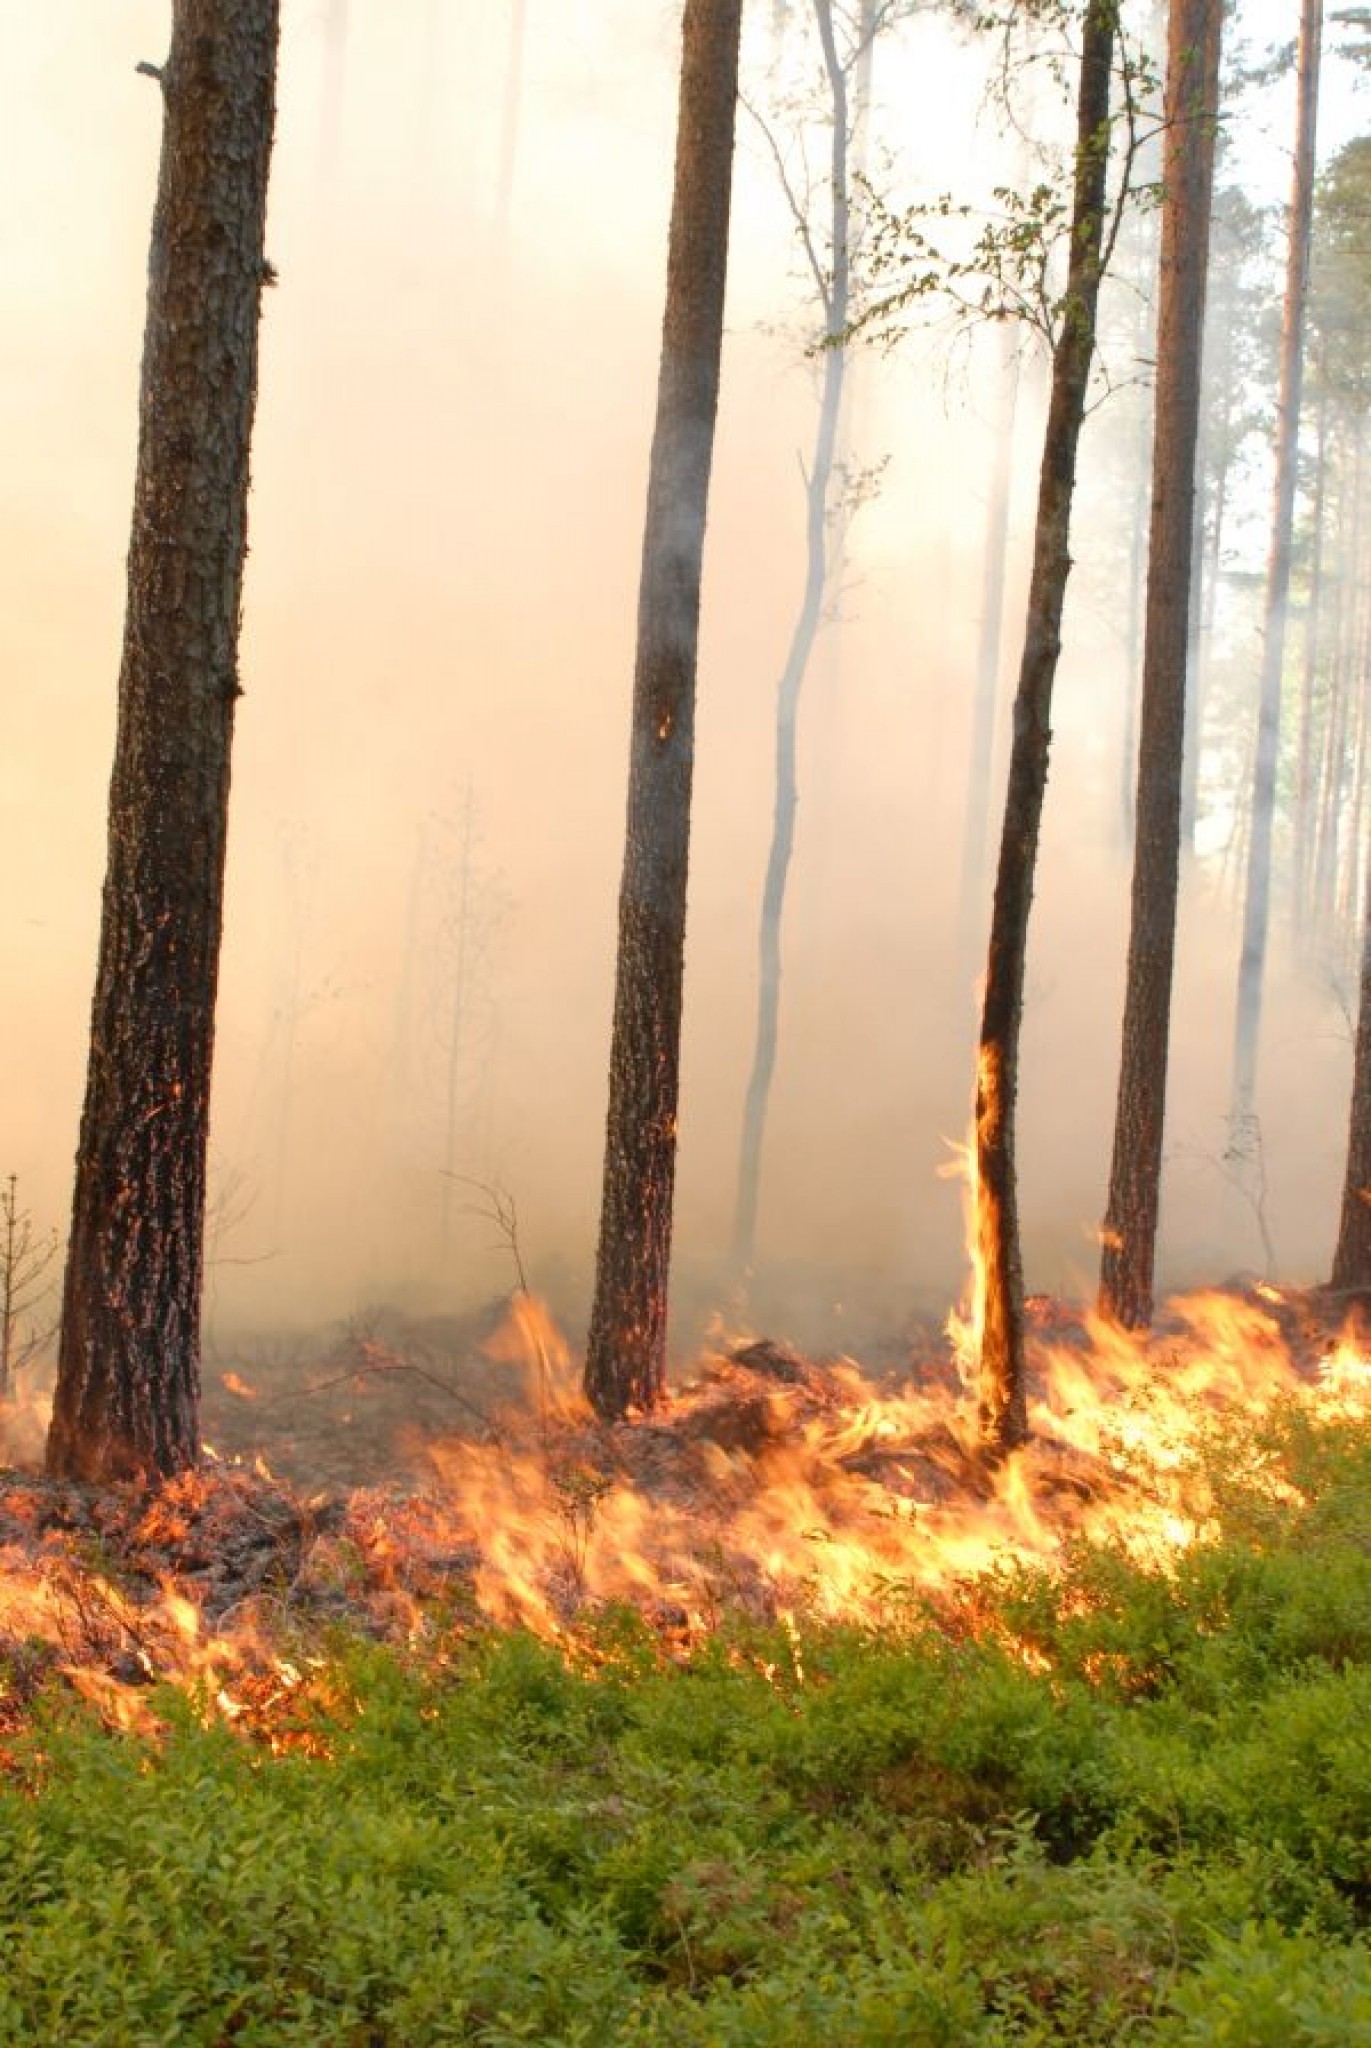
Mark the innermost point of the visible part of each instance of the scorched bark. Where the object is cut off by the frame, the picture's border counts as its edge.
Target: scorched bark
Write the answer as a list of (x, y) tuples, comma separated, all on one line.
[(1003, 1407), (1130, 1225), (626, 1347), (127, 1398)]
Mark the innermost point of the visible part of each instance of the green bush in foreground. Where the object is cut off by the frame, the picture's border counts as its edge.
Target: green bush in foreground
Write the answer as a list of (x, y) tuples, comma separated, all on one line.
[(1157, 1829)]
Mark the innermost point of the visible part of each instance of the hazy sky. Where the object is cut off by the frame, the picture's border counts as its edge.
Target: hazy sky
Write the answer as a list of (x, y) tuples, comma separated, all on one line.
[(446, 518)]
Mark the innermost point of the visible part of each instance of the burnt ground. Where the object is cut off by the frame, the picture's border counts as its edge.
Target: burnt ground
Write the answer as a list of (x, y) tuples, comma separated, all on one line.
[(332, 1491)]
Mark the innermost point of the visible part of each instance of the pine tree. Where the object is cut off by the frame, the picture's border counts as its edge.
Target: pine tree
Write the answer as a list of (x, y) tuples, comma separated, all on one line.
[(1130, 1226), (1003, 1414), (127, 1396), (626, 1349)]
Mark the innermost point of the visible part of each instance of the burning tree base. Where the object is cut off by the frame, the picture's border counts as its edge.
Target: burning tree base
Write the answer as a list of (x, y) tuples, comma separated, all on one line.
[(772, 1486)]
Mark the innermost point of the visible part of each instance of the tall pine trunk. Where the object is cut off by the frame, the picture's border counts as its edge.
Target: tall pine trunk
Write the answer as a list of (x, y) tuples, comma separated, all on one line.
[(1130, 1224), (626, 1348), (1003, 1418), (1257, 892), (1352, 1256), (127, 1397), (818, 511)]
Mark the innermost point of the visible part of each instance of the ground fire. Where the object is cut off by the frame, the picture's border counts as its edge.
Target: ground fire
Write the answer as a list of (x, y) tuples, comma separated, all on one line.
[(773, 1484)]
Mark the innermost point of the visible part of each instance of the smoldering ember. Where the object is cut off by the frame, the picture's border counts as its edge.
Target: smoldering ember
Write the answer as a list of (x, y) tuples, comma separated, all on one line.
[(705, 1373)]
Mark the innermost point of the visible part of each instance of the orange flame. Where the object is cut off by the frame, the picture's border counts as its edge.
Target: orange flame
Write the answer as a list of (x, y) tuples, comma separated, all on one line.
[(839, 1498), (771, 1484)]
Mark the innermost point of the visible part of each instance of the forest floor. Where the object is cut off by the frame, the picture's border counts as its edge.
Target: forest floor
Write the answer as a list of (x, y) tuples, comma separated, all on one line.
[(411, 1471), (819, 1732)]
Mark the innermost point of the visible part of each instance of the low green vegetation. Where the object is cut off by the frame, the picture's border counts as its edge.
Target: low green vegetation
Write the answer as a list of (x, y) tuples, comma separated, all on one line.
[(1116, 1805)]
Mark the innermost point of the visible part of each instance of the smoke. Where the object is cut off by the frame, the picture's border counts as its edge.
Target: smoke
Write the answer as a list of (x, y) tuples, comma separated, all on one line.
[(449, 474)]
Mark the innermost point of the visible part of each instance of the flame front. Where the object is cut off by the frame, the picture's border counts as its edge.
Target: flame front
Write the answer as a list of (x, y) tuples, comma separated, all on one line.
[(827, 1494), (786, 1489)]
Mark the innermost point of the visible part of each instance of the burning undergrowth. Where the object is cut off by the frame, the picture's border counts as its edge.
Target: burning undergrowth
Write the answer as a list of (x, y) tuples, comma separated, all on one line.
[(774, 1486)]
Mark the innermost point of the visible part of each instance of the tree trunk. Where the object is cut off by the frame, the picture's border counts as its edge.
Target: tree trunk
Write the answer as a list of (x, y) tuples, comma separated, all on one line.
[(626, 1348), (127, 1396), (1130, 1224), (818, 489), (1003, 1406), (1352, 1257), (1257, 896)]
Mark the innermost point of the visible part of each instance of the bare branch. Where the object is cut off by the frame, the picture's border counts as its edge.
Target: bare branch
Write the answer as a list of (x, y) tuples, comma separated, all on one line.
[(799, 213)]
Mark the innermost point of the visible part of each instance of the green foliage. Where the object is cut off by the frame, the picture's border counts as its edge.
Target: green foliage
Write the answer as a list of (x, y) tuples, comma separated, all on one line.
[(1005, 256), (1109, 1803)]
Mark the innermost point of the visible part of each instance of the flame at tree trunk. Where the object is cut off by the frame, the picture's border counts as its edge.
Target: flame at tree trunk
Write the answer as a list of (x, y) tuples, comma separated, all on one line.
[(772, 1485), (997, 1284)]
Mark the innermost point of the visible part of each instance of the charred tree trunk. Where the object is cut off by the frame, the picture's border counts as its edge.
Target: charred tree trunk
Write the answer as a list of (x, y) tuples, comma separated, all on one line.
[(127, 1398), (626, 1349), (1352, 1257), (818, 492), (1130, 1224), (1257, 895), (1003, 1405)]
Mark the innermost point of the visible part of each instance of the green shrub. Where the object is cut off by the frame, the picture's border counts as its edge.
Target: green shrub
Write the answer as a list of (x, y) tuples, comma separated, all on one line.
[(1133, 1806)]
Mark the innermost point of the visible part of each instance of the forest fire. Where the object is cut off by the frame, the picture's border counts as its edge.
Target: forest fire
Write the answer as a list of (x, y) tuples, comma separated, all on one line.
[(772, 1485), (783, 1484)]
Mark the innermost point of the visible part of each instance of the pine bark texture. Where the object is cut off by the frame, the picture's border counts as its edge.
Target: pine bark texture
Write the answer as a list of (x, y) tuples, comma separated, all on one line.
[(1352, 1256), (1130, 1225), (626, 1348), (127, 1397), (1003, 1414), (818, 507), (1257, 894)]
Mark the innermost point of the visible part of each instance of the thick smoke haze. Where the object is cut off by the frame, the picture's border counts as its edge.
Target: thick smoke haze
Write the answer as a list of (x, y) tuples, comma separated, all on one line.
[(449, 468)]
